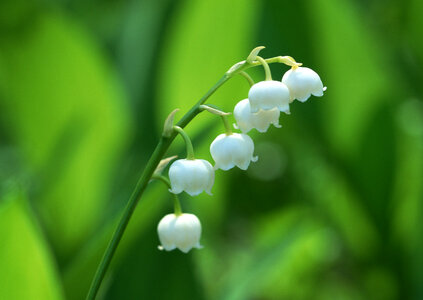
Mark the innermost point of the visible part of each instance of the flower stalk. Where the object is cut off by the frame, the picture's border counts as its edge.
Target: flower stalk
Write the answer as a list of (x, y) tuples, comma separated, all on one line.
[(266, 68), (158, 154), (187, 140), (176, 202), (214, 110), (247, 77), (227, 125)]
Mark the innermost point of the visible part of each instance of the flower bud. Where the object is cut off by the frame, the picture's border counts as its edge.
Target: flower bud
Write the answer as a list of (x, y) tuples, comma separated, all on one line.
[(246, 120), (232, 150), (267, 95), (179, 231), (302, 83), (192, 176)]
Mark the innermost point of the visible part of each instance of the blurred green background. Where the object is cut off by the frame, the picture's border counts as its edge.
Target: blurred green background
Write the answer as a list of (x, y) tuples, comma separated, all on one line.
[(332, 209)]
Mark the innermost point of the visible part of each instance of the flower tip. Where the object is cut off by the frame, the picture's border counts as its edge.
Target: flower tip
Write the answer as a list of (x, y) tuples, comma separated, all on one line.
[(235, 126), (254, 158), (160, 247), (302, 100), (188, 249), (243, 167), (262, 130), (168, 125), (284, 109), (253, 54), (325, 88), (193, 193), (172, 191)]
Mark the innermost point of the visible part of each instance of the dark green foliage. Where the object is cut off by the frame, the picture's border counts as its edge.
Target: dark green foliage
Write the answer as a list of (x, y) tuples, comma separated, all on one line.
[(332, 210)]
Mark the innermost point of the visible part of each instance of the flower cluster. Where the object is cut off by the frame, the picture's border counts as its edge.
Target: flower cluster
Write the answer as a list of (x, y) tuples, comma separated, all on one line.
[(266, 100)]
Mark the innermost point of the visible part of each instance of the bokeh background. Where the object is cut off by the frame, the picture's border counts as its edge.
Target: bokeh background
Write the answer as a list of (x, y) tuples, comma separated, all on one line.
[(332, 209)]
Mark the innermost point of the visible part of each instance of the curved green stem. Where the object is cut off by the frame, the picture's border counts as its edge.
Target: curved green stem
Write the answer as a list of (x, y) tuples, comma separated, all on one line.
[(159, 152), (162, 179), (176, 202), (214, 110), (228, 128), (266, 67), (248, 77), (187, 140)]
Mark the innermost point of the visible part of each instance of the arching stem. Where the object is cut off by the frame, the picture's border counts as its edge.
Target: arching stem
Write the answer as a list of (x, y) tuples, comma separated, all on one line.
[(159, 152), (176, 202), (248, 77), (266, 67), (187, 140)]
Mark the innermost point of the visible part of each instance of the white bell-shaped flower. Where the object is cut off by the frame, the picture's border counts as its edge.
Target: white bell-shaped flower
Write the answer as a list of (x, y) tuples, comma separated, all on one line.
[(261, 120), (179, 231), (232, 150), (269, 94), (192, 176), (302, 83)]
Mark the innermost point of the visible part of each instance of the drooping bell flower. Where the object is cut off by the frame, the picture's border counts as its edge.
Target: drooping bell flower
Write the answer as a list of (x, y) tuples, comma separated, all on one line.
[(192, 176), (179, 231), (269, 94), (303, 82), (261, 120), (230, 150)]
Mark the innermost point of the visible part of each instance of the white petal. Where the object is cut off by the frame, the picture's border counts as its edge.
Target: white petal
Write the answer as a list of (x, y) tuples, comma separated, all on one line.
[(219, 153), (285, 109), (260, 120), (302, 83), (182, 232), (197, 177), (264, 118), (192, 176), (165, 229), (188, 232), (210, 178), (232, 150), (177, 173), (243, 116), (267, 95)]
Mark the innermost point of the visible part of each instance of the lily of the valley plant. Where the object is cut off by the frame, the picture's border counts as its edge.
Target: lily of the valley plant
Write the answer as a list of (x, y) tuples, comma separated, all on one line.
[(266, 100)]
